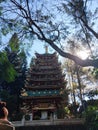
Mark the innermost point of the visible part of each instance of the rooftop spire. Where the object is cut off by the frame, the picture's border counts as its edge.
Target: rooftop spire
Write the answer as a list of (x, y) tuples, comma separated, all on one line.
[(46, 48)]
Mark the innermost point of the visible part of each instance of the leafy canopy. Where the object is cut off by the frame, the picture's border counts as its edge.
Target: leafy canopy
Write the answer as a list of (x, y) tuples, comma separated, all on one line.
[(7, 71), (52, 22)]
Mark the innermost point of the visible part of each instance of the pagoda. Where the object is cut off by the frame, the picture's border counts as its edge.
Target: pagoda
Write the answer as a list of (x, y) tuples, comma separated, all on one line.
[(44, 87)]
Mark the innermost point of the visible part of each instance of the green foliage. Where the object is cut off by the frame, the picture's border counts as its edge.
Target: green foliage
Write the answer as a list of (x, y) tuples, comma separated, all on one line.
[(14, 42), (67, 110), (95, 73), (11, 101), (7, 71), (91, 116), (61, 113), (1, 10), (22, 54), (4, 31)]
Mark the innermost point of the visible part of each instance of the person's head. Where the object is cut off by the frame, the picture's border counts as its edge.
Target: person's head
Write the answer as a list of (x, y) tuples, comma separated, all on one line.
[(3, 111)]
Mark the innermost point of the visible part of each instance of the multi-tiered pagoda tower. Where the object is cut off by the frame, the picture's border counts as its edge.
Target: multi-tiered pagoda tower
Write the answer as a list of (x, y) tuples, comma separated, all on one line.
[(45, 85)]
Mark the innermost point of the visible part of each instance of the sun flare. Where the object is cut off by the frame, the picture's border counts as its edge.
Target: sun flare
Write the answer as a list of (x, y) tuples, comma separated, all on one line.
[(83, 54)]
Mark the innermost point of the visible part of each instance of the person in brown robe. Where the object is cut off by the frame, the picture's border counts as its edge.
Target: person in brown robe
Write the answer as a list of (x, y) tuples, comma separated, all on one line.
[(5, 124)]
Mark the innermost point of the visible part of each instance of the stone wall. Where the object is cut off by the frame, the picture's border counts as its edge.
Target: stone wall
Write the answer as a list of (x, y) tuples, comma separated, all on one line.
[(53, 127)]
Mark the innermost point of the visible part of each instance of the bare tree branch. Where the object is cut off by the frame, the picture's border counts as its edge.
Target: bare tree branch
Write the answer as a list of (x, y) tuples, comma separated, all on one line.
[(40, 30)]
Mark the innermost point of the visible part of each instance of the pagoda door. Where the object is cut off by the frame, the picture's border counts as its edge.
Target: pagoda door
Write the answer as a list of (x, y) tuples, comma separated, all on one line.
[(44, 115)]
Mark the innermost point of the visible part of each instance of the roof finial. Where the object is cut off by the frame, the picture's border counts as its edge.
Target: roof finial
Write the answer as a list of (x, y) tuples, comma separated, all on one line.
[(46, 48)]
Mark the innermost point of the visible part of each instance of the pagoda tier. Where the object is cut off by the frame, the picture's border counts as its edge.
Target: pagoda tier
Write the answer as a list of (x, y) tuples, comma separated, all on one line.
[(44, 86)]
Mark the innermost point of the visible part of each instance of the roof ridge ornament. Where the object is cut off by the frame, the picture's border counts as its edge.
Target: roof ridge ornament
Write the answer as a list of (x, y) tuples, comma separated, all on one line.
[(46, 48)]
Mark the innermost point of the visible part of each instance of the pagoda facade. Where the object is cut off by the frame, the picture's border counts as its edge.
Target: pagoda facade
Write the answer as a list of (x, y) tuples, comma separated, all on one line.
[(44, 87)]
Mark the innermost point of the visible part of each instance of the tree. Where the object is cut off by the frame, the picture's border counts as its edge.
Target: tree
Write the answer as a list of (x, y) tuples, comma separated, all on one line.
[(7, 71), (78, 9), (36, 20), (10, 100), (11, 90), (78, 77)]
